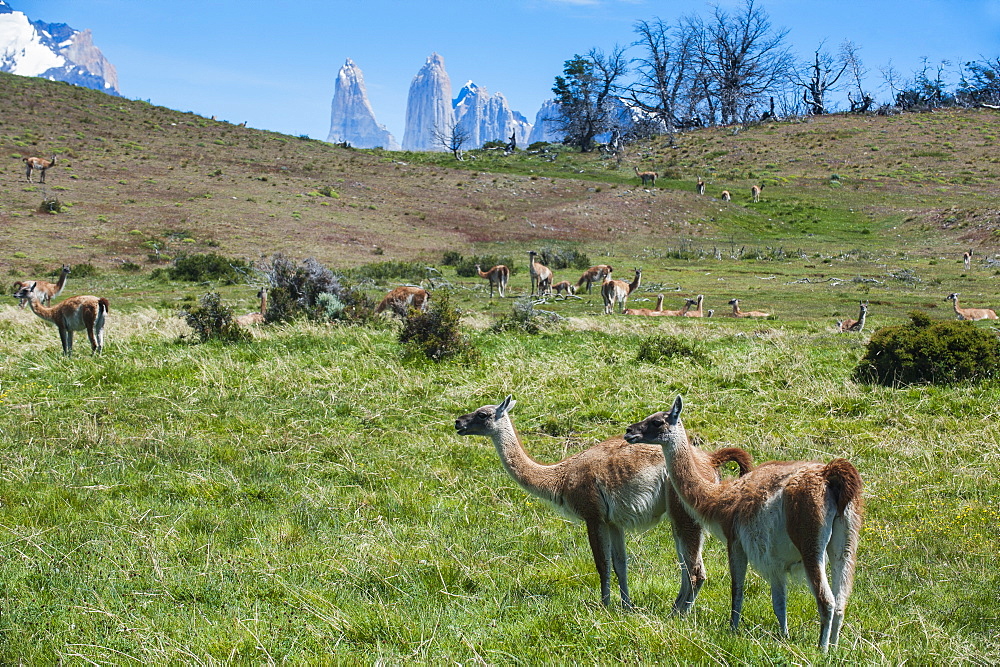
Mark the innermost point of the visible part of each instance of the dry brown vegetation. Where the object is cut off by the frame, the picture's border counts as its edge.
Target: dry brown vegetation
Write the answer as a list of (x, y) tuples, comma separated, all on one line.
[(140, 183)]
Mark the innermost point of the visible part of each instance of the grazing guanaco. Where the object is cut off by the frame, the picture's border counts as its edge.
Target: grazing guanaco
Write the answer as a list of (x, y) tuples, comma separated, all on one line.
[(612, 487), (45, 291), (856, 326), (617, 291), (595, 274), (251, 319), (755, 192), (971, 313), (782, 517), (74, 314), (726, 196), (564, 286), (697, 312), (735, 303), (648, 177), (37, 164), (402, 298), (499, 275), (541, 275)]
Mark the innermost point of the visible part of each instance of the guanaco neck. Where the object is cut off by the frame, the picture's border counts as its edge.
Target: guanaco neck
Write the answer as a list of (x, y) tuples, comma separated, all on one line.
[(634, 285), (47, 314), (535, 478), (263, 302), (687, 473), (62, 281), (659, 302), (736, 308)]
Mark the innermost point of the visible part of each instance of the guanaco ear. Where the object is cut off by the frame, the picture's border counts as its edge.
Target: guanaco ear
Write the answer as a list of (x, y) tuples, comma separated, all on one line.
[(675, 411), (504, 408)]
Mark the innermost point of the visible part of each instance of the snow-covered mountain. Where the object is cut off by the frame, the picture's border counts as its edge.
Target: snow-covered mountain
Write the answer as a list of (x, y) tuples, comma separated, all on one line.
[(351, 116), (545, 127), (486, 117), (53, 51), (428, 107)]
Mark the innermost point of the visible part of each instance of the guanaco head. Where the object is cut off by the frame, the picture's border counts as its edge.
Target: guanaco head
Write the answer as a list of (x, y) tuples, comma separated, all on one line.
[(660, 428), (734, 302), (710, 312), (18, 284), (484, 420), (25, 292), (952, 297)]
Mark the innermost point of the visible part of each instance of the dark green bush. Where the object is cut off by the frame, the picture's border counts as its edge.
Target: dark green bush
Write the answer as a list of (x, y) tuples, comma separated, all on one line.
[(465, 267), (203, 268), (50, 205), (213, 320), (451, 258), (310, 290), (82, 271), (412, 272), (523, 317), (663, 347), (564, 258), (926, 351), (436, 334)]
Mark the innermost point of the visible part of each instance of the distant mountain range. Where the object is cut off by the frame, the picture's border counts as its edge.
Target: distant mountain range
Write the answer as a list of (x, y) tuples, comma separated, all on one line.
[(53, 51), (431, 113)]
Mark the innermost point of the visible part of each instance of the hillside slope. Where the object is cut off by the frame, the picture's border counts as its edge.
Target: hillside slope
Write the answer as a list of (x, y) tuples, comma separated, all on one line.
[(141, 183)]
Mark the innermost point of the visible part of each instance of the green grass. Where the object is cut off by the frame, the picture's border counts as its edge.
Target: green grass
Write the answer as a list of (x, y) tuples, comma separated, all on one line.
[(304, 497)]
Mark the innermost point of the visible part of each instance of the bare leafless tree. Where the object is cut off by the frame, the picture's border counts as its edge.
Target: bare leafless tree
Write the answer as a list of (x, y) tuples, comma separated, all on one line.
[(860, 99), (665, 73), (818, 78), (453, 137), (742, 56)]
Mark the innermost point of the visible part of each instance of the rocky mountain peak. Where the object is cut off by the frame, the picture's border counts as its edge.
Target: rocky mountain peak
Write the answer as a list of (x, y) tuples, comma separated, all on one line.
[(351, 116)]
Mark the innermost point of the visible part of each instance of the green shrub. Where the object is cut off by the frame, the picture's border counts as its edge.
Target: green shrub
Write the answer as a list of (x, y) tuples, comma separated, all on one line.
[(213, 320), (86, 270), (451, 258), (203, 268), (50, 205), (663, 347), (523, 317), (466, 266), (412, 272), (923, 351), (564, 258), (435, 334), (310, 290)]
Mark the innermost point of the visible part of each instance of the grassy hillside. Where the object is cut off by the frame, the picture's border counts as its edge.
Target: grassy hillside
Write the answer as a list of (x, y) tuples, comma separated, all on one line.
[(303, 496)]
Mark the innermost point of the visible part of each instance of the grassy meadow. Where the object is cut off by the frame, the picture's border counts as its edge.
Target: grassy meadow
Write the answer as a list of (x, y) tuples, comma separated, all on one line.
[(303, 497)]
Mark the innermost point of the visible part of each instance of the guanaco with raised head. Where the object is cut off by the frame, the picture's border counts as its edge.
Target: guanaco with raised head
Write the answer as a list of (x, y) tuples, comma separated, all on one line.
[(612, 487), (77, 313), (781, 517)]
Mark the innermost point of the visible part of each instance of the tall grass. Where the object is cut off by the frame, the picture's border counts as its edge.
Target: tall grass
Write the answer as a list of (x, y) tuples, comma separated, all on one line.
[(303, 497)]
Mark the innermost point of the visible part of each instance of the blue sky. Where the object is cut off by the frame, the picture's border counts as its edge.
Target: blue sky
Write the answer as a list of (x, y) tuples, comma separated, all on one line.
[(273, 64)]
